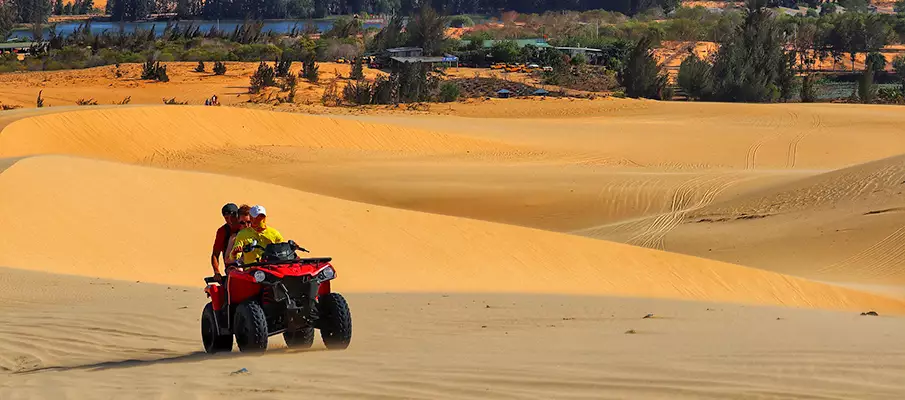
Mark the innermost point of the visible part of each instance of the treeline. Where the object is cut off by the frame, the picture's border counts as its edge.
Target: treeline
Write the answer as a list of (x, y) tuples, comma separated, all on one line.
[(270, 9), (77, 7)]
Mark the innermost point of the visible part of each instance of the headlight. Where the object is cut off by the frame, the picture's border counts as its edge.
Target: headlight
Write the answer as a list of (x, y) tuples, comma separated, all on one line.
[(260, 276), (326, 275)]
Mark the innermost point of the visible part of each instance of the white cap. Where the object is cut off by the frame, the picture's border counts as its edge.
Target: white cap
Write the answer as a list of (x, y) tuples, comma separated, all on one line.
[(257, 210)]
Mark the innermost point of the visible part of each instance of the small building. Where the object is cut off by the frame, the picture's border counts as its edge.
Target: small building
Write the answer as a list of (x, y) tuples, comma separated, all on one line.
[(541, 92), (503, 93), (592, 55), (446, 60), (404, 52), (536, 42)]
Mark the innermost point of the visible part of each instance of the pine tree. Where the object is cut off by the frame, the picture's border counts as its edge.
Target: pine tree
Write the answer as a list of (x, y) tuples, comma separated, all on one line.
[(58, 7), (641, 76), (310, 69), (358, 69)]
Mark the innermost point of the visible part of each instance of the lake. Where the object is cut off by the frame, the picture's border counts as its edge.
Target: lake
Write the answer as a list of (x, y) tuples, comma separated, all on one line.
[(97, 27)]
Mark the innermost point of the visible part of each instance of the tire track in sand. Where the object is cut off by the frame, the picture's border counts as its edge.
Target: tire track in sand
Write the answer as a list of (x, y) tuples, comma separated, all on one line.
[(878, 258), (751, 156), (792, 156), (683, 202)]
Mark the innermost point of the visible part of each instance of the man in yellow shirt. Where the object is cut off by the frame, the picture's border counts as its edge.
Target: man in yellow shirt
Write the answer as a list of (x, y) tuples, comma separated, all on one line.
[(258, 231)]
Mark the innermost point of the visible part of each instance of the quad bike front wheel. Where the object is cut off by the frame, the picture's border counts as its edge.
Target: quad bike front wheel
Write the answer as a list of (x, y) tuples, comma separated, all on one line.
[(335, 321), (250, 327), (300, 339), (213, 341)]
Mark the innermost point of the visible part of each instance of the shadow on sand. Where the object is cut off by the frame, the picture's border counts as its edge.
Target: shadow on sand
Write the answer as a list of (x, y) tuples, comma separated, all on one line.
[(184, 358)]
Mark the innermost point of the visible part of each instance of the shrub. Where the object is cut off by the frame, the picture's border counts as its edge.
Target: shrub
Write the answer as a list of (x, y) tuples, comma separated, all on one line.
[(219, 68), (283, 65), (461, 21), (310, 69), (358, 92), (262, 78), (331, 96), (152, 70), (290, 84), (86, 102), (172, 101), (126, 100), (357, 69), (257, 52), (200, 67), (40, 101), (449, 92), (890, 96), (809, 88)]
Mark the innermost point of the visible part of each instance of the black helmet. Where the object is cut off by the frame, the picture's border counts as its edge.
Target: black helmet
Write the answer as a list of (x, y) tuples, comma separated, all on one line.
[(229, 209)]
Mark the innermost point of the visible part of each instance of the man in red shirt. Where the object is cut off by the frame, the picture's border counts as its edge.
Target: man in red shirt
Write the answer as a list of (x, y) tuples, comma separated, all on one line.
[(230, 213)]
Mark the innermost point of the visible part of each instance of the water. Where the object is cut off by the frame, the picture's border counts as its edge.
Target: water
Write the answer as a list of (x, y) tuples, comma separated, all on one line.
[(276, 26)]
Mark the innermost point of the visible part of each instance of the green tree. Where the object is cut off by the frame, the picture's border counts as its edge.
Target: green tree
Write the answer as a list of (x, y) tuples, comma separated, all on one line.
[(462, 21), (7, 18), (642, 77), (827, 8), (752, 65), (58, 7), (898, 65), (427, 30), (695, 77), (875, 61), (504, 51)]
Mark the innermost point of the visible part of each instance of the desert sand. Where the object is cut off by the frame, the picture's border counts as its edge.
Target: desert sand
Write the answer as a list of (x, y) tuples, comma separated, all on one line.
[(495, 249)]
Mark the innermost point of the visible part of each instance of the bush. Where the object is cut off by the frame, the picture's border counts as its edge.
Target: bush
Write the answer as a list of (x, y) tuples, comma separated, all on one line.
[(461, 21), (331, 97), (358, 92), (257, 52), (172, 101), (84, 102), (40, 101), (875, 61), (358, 69), (219, 68), (694, 77), (890, 96), (290, 85), (283, 65), (262, 78), (152, 70), (449, 92), (200, 67), (310, 69)]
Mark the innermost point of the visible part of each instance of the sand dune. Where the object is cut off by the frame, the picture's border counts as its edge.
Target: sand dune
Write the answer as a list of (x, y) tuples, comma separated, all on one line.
[(130, 223), (760, 198)]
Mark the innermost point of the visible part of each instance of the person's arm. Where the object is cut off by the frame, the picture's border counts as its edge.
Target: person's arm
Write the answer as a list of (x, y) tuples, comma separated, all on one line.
[(238, 245), (219, 248)]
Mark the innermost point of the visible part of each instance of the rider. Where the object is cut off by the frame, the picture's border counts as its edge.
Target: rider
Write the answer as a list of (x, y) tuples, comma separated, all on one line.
[(259, 231), (230, 214)]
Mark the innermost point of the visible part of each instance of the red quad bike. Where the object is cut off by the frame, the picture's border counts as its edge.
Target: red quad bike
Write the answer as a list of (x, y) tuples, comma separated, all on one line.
[(280, 294)]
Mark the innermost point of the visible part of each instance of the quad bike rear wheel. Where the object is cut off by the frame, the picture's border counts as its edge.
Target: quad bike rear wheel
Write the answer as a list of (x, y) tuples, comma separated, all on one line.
[(213, 341), (250, 327), (335, 321), (300, 339)]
